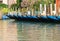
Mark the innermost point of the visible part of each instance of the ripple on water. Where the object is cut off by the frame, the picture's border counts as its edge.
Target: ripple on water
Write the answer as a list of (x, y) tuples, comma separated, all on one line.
[(29, 31)]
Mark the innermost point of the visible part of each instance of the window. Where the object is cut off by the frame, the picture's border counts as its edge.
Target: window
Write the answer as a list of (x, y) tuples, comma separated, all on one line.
[(0, 1)]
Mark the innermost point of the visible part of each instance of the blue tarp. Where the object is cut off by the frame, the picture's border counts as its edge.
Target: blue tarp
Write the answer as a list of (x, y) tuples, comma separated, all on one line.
[(4, 17)]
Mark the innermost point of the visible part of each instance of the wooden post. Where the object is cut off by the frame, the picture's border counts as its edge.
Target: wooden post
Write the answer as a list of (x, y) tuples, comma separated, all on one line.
[(45, 9), (32, 12), (40, 9), (27, 8), (28, 12), (51, 8), (55, 9), (22, 11)]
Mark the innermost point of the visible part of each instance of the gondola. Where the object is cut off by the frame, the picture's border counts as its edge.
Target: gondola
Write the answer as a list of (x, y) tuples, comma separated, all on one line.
[(53, 18), (32, 18), (19, 16), (15, 16), (58, 17), (24, 17), (10, 16), (35, 18), (43, 18)]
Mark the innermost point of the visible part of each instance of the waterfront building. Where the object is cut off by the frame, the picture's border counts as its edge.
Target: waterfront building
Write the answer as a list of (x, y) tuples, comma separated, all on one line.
[(58, 6), (0, 1), (8, 2)]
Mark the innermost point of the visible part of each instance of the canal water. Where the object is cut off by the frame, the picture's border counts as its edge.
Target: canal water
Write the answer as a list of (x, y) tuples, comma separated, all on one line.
[(11, 30)]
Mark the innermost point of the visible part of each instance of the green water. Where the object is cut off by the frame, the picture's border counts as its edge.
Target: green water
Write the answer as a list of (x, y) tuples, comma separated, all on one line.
[(29, 31)]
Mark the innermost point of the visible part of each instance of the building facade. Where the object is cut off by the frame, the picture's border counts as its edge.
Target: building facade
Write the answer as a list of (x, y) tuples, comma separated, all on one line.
[(1, 1), (58, 6), (8, 2)]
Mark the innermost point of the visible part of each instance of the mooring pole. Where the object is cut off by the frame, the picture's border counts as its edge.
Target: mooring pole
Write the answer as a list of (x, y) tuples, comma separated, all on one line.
[(55, 8), (51, 8), (40, 9), (32, 12), (45, 8)]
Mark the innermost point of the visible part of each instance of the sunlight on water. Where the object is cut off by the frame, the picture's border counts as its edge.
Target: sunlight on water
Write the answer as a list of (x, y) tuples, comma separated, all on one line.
[(28, 31)]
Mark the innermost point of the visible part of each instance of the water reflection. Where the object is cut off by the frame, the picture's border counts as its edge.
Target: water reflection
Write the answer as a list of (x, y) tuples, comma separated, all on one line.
[(28, 31), (8, 31)]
